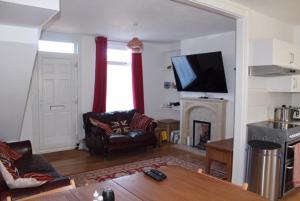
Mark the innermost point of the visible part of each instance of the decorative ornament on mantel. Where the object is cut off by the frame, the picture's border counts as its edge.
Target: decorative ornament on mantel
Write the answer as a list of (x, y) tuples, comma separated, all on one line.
[(136, 45)]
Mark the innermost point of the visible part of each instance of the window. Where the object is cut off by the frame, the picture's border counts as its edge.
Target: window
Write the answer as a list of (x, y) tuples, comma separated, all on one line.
[(58, 47), (119, 83)]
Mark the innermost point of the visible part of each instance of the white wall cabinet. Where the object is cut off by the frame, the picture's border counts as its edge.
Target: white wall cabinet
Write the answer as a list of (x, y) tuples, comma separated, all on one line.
[(284, 84), (296, 62), (273, 52)]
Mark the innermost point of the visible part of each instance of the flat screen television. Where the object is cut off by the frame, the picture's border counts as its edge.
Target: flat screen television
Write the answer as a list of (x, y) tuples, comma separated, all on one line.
[(200, 73)]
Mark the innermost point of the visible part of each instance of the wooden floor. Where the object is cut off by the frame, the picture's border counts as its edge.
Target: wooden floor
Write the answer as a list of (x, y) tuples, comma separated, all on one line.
[(74, 161)]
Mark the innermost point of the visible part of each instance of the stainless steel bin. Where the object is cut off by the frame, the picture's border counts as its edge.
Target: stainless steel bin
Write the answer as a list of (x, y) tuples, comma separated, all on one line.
[(263, 168)]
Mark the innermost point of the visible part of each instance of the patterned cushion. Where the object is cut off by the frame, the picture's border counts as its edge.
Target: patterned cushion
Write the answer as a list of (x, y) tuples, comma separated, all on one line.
[(8, 153), (38, 176), (120, 127), (108, 130), (140, 122), (14, 180), (11, 169), (8, 157)]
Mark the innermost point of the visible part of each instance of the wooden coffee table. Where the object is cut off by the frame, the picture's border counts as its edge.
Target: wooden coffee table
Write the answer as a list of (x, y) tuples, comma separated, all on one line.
[(181, 185)]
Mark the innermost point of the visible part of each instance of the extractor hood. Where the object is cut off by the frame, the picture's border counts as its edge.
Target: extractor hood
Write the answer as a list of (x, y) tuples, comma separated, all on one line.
[(271, 71)]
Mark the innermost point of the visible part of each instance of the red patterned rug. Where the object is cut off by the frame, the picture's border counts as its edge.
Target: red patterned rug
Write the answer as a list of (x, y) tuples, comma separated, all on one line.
[(96, 176)]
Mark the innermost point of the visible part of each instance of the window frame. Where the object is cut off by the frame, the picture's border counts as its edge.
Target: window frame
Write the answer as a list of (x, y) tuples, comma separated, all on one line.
[(75, 48)]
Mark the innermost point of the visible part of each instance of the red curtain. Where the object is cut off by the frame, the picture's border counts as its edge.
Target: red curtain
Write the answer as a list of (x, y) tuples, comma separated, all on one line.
[(137, 82), (99, 104)]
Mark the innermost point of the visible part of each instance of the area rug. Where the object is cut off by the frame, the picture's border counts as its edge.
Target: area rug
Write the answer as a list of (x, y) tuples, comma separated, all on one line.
[(100, 175)]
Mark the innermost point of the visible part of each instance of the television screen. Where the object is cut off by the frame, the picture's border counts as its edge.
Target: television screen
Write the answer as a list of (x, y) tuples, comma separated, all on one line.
[(200, 73)]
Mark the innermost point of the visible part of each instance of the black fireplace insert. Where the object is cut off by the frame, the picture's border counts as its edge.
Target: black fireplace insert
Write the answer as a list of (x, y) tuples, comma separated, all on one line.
[(201, 131)]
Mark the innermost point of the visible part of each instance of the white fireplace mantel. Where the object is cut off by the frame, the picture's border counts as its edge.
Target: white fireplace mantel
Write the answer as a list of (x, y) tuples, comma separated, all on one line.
[(215, 108)]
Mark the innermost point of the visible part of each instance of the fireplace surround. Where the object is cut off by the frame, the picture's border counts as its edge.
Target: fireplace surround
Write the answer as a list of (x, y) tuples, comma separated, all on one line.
[(212, 111)]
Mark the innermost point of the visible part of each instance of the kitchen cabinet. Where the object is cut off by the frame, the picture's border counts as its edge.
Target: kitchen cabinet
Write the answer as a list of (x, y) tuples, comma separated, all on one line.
[(296, 57), (273, 52), (284, 84)]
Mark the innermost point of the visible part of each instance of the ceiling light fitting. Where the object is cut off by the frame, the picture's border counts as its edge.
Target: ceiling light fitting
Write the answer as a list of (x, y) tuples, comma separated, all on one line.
[(136, 45)]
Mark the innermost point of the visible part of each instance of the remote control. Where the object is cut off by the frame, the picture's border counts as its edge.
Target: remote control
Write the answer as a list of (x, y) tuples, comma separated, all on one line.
[(153, 175), (159, 173)]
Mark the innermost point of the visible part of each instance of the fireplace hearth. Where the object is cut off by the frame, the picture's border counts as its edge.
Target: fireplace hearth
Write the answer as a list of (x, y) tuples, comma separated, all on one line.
[(201, 133)]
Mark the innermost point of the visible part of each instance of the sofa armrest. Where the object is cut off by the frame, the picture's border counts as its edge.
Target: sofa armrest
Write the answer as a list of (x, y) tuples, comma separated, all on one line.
[(22, 147), (96, 139), (96, 131), (55, 184)]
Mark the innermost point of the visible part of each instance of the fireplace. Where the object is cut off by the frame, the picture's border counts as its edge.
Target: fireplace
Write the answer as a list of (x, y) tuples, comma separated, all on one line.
[(211, 111), (201, 133)]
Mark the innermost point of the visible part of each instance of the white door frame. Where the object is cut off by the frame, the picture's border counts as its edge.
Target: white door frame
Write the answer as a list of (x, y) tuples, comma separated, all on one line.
[(35, 102), (230, 9)]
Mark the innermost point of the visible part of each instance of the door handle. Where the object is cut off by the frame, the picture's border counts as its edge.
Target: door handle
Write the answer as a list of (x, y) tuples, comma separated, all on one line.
[(57, 106), (292, 58)]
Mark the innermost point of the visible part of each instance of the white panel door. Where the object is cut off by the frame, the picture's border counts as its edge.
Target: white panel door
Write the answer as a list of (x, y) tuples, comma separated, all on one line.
[(57, 101)]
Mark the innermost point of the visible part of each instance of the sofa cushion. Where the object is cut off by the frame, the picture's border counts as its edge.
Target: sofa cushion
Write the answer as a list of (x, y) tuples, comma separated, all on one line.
[(38, 176), (108, 117), (120, 127), (140, 121), (139, 135), (108, 130), (35, 163), (118, 138)]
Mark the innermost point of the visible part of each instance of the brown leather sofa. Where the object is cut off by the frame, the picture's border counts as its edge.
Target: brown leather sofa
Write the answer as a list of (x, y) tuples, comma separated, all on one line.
[(99, 142), (33, 163)]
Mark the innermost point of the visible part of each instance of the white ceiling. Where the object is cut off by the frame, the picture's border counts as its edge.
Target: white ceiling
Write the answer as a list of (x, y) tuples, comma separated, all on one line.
[(158, 20), (23, 15), (284, 10)]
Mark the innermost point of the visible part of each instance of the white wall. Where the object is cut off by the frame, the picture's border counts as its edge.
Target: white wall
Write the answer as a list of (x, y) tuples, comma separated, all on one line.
[(87, 59), (153, 76), (297, 35), (48, 4), (261, 103), (262, 27), (156, 57), (18, 47), (171, 94), (224, 42), (19, 34), (16, 65)]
